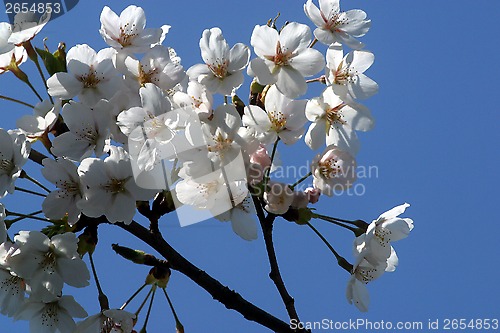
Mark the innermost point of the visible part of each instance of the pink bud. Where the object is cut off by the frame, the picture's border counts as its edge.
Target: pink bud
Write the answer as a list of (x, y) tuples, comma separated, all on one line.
[(261, 157), (313, 194)]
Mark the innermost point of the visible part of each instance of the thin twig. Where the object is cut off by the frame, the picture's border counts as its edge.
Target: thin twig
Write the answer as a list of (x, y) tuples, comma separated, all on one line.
[(16, 101)]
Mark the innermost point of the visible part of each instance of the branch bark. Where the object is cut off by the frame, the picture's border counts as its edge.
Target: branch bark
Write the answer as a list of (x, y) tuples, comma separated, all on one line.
[(267, 223), (230, 298)]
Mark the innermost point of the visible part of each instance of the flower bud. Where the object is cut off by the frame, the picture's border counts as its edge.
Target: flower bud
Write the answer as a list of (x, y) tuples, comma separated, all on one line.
[(159, 276), (313, 194), (261, 157), (136, 256), (278, 198), (87, 241)]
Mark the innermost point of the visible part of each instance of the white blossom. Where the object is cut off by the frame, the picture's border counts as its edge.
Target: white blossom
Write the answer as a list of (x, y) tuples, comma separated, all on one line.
[(88, 131), (48, 263), (128, 32), (336, 26), (14, 152), (335, 122), (278, 198), (110, 188), (284, 58), (52, 316), (44, 117), (91, 76), (283, 118), (155, 67), (333, 170), (346, 73), (62, 201)]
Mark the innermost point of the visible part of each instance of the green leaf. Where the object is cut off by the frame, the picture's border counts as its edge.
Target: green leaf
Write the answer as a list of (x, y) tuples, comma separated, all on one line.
[(52, 63)]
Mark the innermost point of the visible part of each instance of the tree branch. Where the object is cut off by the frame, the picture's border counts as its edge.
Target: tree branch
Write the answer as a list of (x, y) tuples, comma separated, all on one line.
[(230, 298), (266, 224)]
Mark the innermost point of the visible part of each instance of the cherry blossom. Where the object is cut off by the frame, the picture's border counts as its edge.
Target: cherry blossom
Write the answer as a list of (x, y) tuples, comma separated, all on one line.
[(9, 52), (242, 218), (223, 68), (284, 58), (44, 117), (14, 152), (88, 131), (197, 97), (112, 320), (128, 32), (356, 292), (48, 263), (26, 26), (335, 122), (336, 26), (387, 228), (110, 188), (283, 118), (52, 316), (346, 73), (278, 197), (61, 202), (91, 76), (155, 67), (218, 191), (333, 170)]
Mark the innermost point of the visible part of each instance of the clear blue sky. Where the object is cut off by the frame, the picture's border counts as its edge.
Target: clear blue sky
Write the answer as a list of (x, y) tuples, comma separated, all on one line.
[(435, 145)]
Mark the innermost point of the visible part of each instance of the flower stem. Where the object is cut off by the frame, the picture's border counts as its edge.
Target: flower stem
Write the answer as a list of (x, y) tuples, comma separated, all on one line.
[(34, 58), (268, 171), (24, 216), (301, 180), (8, 223), (16, 101), (103, 299), (354, 230), (145, 300), (29, 191), (315, 40), (133, 296), (33, 180), (34, 90), (340, 260), (178, 323), (143, 329), (361, 226)]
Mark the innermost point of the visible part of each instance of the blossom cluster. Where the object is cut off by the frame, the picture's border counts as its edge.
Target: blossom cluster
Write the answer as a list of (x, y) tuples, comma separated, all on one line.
[(128, 122)]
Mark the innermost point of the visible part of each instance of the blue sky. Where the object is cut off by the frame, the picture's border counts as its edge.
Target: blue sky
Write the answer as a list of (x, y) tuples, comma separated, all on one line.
[(437, 126)]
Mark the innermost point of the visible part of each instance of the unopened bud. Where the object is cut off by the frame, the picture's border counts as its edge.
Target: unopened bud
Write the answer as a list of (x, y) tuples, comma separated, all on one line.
[(256, 88), (159, 276), (136, 256), (87, 241), (238, 104), (300, 216), (60, 54), (313, 194)]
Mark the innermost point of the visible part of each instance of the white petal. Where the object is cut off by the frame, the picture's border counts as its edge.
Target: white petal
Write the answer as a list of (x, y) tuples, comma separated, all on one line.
[(291, 83)]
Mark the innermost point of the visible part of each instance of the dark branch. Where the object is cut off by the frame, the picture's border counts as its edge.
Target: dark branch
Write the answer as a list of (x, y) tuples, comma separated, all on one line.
[(275, 274), (231, 299)]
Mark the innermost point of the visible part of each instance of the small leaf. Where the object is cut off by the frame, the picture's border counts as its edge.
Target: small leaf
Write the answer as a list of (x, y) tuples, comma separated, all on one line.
[(52, 63)]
